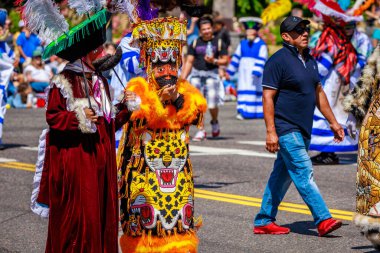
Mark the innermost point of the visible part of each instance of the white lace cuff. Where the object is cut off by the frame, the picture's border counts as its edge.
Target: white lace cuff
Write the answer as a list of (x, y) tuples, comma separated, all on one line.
[(85, 125)]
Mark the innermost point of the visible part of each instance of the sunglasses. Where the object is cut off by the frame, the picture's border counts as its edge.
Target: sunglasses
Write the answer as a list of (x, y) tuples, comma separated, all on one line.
[(300, 30)]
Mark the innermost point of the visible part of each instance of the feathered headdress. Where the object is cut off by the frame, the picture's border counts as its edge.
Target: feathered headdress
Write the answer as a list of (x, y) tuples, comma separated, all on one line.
[(332, 12), (140, 10), (276, 10), (43, 17), (333, 40), (159, 39), (137, 10), (359, 7), (86, 6), (331, 8)]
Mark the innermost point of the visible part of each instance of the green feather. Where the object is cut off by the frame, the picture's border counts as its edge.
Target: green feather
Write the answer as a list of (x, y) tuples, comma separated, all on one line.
[(76, 34), (250, 24)]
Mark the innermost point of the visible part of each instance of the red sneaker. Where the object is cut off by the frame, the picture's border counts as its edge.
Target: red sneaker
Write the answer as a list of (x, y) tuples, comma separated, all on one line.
[(327, 226), (215, 129), (271, 229)]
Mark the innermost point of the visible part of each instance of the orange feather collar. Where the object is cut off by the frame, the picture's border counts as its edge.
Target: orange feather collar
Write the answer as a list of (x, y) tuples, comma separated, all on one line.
[(157, 115)]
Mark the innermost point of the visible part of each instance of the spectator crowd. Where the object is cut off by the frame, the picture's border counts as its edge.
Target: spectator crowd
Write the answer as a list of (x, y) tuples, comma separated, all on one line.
[(232, 72)]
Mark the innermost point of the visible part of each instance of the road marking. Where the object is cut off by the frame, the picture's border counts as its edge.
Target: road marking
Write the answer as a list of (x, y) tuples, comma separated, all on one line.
[(30, 148), (4, 160), (255, 143), (27, 165), (285, 204), (229, 151), (212, 195), (201, 154), (11, 165), (257, 202), (207, 151)]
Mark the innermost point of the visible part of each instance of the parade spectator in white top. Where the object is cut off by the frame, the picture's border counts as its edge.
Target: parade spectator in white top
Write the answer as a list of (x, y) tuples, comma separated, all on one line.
[(37, 73)]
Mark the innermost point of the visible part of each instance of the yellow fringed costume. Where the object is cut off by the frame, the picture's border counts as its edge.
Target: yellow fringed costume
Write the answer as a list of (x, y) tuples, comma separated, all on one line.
[(364, 104), (156, 187), (276, 10)]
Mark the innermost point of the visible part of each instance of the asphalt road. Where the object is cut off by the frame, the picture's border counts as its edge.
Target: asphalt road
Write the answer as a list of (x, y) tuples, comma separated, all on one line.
[(230, 175)]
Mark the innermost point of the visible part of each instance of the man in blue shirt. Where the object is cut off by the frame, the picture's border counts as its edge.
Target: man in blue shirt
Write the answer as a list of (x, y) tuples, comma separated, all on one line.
[(291, 90), (27, 43)]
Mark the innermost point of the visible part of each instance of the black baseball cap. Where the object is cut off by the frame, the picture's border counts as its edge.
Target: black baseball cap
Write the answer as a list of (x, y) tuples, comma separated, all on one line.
[(291, 22)]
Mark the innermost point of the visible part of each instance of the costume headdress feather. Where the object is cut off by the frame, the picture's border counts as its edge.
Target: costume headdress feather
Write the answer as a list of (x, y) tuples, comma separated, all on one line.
[(276, 10), (159, 39), (307, 3), (86, 6), (43, 18), (122, 6), (143, 10), (360, 6), (330, 9), (137, 10)]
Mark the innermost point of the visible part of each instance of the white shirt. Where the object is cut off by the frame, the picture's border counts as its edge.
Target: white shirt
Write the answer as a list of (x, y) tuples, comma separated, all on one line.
[(42, 75)]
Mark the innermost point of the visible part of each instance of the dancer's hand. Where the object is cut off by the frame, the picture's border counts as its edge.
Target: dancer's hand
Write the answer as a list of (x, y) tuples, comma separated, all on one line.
[(169, 92), (90, 114), (131, 100), (272, 142), (129, 96), (338, 132)]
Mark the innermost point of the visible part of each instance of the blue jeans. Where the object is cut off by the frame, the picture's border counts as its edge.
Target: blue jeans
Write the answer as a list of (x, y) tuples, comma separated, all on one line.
[(39, 86), (292, 164)]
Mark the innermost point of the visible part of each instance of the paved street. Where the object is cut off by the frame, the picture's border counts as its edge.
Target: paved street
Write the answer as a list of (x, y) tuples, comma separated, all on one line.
[(230, 176)]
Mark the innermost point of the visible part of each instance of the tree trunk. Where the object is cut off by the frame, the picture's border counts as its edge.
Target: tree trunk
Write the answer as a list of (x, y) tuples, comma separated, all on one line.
[(225, 8)]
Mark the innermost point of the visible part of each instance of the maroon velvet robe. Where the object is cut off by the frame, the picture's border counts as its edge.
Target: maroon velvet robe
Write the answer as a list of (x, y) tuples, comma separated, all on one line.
[(79, 180)]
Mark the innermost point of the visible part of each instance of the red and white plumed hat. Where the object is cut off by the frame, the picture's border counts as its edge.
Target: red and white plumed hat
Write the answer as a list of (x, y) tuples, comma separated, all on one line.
[(332, 12)]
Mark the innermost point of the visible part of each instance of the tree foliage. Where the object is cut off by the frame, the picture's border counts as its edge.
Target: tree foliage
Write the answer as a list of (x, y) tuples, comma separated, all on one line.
[(250, 7)]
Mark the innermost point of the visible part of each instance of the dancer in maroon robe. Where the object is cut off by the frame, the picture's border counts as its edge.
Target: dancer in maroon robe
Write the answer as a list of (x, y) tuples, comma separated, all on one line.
[(79, 179), (75, 184)]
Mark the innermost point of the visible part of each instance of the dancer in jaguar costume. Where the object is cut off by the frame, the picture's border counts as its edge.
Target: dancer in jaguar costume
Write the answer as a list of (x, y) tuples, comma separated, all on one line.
[(155, 171), (364, 106)]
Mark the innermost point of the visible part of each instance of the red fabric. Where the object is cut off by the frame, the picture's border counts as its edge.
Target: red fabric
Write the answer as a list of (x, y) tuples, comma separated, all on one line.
[(271, 229), (121, 116), (40, 103), (79, 181), (333, 5), (334, 42), (57, 117), (328, 226)]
